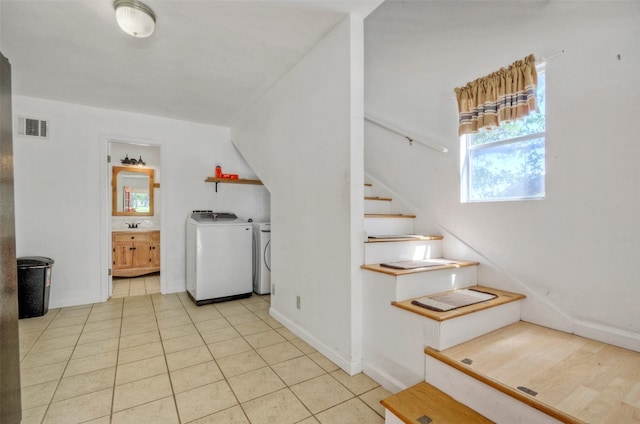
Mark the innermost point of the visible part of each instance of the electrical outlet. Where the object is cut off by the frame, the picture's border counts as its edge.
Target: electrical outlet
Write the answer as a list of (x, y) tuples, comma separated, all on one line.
[(298, 302), (273, 289)]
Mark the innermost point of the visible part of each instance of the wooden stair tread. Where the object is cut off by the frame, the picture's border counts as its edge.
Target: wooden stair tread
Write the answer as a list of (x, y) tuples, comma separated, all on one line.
[(387, 215), (402, 237), (397, 272), (503, 298), (424, 400), (385, 199), (574, 379)]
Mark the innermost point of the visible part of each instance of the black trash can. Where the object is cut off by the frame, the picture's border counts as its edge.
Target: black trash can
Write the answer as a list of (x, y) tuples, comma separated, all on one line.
[(34, 280)]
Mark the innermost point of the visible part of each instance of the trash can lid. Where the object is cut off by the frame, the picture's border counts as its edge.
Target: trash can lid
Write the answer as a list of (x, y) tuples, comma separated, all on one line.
[(34, 261)]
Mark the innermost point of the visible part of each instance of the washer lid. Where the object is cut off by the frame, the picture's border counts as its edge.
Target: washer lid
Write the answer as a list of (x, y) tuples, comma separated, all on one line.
[(210, 216)]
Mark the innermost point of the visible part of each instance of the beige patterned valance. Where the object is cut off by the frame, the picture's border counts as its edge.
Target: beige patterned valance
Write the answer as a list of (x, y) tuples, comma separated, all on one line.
[(504, 95)]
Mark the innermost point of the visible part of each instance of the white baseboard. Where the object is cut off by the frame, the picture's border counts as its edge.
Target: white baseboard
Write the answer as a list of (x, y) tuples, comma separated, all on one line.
[(604, 334), (77, 301), (350, 367), (385, 380)]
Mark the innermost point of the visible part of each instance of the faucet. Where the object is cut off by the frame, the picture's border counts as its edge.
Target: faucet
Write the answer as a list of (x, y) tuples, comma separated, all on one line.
[(132, 224)]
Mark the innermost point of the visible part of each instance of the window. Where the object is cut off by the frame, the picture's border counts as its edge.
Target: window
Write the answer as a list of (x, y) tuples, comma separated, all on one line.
[(506, 162)]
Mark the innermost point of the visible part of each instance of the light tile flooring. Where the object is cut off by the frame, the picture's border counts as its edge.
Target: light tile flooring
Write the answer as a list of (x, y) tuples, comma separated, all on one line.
[(136, 286), (161, 359)]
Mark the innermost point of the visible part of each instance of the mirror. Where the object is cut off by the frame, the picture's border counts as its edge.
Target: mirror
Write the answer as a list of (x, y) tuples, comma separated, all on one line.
[(132, 191)]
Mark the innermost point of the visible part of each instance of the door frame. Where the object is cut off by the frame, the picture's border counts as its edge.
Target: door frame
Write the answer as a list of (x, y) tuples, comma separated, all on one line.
[(106, 279)]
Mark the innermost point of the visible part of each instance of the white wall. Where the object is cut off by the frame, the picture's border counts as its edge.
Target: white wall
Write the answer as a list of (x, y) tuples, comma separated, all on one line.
[(61, 209), (304, 140), (576, 252)]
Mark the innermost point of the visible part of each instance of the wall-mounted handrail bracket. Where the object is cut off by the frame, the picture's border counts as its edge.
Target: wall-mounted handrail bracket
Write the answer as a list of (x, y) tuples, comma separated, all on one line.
[(403, 134)]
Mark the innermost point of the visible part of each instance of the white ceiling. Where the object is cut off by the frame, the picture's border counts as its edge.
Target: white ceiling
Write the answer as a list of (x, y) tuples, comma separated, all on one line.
[(207, 61)]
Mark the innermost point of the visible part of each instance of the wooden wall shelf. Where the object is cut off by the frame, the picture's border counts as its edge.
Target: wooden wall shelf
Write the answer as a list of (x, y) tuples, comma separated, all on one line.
[(230, 181)]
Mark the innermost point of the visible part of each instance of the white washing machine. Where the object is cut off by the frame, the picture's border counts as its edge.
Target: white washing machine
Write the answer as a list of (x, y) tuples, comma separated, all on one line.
[(262, 257), (219, 257)]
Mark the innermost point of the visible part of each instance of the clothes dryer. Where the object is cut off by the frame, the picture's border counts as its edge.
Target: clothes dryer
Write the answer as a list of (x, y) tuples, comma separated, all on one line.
[(262, 257)]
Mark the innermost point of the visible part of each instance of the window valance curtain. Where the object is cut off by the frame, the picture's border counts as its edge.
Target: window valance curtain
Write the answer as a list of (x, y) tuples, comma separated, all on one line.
[(504, 95)]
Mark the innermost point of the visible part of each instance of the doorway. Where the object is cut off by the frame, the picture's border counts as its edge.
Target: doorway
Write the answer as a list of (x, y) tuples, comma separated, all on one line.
[(135, 224)]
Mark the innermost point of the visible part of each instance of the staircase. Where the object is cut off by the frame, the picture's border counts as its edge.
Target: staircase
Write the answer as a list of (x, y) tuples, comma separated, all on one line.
[(397, 332), (478, 363)]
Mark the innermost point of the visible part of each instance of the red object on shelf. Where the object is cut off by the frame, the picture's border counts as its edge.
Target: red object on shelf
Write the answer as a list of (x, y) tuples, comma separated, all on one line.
[(230, 176), (218, 171)]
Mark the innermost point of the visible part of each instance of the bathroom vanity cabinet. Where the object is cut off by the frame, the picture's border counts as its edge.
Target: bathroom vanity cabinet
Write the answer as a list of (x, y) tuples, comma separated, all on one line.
[(135, 253)]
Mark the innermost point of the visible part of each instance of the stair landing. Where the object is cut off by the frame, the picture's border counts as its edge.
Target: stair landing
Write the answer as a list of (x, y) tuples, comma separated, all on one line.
[(570, 377)]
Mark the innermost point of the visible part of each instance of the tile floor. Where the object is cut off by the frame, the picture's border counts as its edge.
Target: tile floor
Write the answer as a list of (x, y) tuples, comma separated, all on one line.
[(161, 359), (136, 286)]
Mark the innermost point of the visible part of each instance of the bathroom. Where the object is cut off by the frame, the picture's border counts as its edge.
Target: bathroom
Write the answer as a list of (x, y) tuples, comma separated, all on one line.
[(135, 219)]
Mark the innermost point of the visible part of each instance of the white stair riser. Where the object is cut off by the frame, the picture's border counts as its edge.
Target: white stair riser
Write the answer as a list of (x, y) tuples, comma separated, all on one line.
[(377, 206), (419, 284), (380, 252), (452, 332), (394, 339), (389, 418), (484, 399), (367, 191), (388, 226), (392, 345)]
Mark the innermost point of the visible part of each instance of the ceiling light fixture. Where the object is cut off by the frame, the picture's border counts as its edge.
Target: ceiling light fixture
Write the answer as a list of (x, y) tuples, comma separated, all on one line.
[(135, 18)]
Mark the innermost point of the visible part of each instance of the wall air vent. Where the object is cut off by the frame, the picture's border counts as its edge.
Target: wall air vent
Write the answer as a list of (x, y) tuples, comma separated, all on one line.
[(32, 127)]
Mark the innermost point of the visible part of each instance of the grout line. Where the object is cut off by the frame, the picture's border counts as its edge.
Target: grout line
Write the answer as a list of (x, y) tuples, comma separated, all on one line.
[(180, 302)]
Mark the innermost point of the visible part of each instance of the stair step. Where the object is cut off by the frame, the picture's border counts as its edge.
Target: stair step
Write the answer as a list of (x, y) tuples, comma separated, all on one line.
[(424, 403), (400, 237), (503, 297), (388, 215), (398, 272), (569, 378)]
